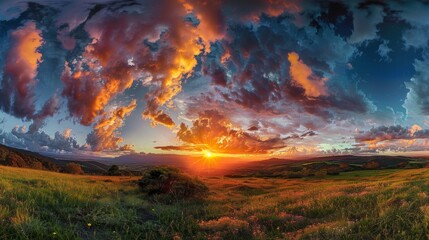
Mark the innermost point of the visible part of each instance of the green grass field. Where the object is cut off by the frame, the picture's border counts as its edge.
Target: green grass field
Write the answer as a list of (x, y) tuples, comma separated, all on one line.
[(372, 204)]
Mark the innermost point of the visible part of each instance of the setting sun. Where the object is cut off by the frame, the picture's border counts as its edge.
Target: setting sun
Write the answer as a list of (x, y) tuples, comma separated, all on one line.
[(208, 154)]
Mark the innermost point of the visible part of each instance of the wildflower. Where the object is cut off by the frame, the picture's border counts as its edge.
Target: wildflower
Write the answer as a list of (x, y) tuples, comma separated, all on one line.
[(54, 233), (89, 224)]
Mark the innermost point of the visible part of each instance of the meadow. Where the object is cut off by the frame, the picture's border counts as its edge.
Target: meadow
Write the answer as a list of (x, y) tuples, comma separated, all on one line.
[(370, 204)]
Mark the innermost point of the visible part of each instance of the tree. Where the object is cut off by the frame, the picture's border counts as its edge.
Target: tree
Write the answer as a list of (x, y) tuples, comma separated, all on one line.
[(36, 165), (344, 166), (371, 165), (113, 170), (73, 168)]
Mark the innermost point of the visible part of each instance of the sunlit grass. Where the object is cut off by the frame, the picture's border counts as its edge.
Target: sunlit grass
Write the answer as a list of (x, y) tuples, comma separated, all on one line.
[(376, 204)]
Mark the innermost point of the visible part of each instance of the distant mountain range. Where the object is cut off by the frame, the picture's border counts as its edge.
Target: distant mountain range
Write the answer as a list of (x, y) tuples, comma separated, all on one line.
[(138, 161)]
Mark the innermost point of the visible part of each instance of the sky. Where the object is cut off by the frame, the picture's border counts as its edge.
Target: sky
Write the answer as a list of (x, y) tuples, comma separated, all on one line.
[(242, 78)]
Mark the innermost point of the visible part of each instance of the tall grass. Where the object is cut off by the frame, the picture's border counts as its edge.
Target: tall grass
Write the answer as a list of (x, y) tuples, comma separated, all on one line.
[(376, 204)]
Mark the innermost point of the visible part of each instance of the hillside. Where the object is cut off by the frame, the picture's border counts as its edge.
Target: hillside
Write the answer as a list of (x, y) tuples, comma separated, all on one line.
[(330, 165), (25, 159), (374, 204), (133, 164)]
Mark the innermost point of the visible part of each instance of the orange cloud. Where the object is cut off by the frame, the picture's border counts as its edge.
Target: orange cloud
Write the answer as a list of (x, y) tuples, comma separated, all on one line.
[(89, 91), (115, 43), (303, 76), (415, 128), (105, 134), (164, 50), (187, 38), (28, 41), (396, 138), (214, 132), (212, 14), (67, 133), (181, 64), (17, 96)]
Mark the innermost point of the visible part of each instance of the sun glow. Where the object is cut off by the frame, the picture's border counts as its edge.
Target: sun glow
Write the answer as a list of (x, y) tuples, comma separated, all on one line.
[(206, 162), (208, 154)]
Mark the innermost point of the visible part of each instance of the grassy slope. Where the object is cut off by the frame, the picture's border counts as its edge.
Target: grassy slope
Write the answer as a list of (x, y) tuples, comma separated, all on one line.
[(25, 159), (378, 204)]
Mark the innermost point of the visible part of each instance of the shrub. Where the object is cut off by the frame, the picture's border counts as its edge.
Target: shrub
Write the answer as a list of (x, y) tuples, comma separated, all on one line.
[(172, 183), (333, 170), (113, 170), (321, 173), (73, 168), (344, 166), (36, 165), (416, 165), (371, 165)]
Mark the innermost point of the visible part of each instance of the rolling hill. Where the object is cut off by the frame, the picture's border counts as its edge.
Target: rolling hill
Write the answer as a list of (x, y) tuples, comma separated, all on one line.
[(132, 164), (25, 159), (332, 165)]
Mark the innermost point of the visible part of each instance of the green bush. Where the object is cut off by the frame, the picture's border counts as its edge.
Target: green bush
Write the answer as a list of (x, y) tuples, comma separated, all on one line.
[(171, 182), (371, 165), (113, 171), (73, 168)]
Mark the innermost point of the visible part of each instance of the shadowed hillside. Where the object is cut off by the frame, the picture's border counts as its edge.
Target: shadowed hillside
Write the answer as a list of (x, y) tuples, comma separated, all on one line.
[(25, 159)]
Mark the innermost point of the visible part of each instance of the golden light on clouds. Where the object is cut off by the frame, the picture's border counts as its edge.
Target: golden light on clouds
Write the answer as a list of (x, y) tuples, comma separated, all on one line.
[(302, 75)]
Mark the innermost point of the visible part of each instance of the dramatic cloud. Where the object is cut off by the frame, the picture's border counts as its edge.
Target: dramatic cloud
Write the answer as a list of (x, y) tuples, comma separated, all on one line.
[(365, 21), (384, 133), (17, 93), (39, 141), (304, 77), (213, 131), (257, 76), (417, 101), (105, 133), (416, 37), (164, 49), (48, 110), (395, 138), (88, 94), (20, 70), (262, 72), (249, 76)]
